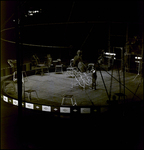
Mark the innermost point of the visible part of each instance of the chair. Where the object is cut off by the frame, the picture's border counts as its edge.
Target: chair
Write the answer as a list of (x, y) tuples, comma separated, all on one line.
[(69, 97), (71, 69), (41, 70), (24, 75), (35, 60), (59, 69), (119, 96), (29, 94)]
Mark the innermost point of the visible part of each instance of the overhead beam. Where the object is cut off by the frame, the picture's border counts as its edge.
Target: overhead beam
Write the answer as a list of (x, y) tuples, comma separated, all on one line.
[(34, 45), (81, 22)]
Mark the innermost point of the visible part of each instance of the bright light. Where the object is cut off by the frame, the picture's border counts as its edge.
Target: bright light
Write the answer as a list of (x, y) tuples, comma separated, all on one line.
[(138, 57), (34, 11), (30, 11), (110, 54), (137, 61)]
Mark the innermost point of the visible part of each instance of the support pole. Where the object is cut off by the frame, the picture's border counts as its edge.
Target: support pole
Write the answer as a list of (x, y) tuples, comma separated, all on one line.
[(122, 84), (109, 35), (111, 77), (142, 61), (123, 75), (104, 83), (18, 57), (119, 81), (87, 36), (19, 71), (127, 50)]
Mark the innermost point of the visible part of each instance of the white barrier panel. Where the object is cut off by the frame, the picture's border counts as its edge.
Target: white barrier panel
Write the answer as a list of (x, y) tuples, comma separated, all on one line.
[(65, 109), (5, 98), (46, 108), (85, 110), (15, 102), (29, 105)]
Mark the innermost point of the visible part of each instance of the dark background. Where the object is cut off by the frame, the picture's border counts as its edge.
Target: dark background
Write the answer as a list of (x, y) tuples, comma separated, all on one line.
[(71, 24)]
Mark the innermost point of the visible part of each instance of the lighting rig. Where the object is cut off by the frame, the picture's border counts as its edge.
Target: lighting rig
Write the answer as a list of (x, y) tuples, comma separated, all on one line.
[(32, 12)]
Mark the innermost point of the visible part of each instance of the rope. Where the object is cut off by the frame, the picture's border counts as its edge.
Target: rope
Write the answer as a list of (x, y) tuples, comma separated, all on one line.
[(34, 44), (122, 84)]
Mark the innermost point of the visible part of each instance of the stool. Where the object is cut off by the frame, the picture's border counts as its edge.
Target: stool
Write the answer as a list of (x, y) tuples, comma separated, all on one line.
[(119, 95), (58, 61), (55, 62), (29, 94), (70, 98), (58, 69), (41, 69)]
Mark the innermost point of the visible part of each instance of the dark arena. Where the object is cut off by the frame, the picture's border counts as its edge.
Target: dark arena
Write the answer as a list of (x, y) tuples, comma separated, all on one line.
[(72, 74)]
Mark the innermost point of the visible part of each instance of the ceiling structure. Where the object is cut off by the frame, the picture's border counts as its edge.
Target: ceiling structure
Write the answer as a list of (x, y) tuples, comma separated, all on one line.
[(75, 24)]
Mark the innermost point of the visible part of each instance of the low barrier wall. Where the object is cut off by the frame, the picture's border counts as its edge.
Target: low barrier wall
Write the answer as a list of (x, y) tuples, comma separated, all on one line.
[(9, 70), (55, 109)]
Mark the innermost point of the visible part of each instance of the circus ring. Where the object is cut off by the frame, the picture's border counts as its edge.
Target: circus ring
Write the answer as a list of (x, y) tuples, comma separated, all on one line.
[(49, 90)]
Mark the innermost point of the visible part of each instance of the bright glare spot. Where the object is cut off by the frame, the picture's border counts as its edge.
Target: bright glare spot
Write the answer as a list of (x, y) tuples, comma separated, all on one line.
[(29, 11), (138, 57), (31, 14), (110, 54), (137, 61)]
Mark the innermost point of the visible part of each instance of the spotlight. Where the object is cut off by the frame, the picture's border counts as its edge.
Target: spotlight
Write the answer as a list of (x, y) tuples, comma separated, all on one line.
[(29, 11), (30, 14)]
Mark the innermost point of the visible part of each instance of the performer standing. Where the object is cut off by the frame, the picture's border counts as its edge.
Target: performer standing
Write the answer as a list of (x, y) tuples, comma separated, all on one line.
[(94, 77), (77, 58), (48, 60), (78, 62), (101, 57), (35, 60)]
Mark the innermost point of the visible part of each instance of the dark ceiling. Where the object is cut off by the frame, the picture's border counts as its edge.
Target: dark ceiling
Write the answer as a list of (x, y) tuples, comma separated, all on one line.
[(76, 24)]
